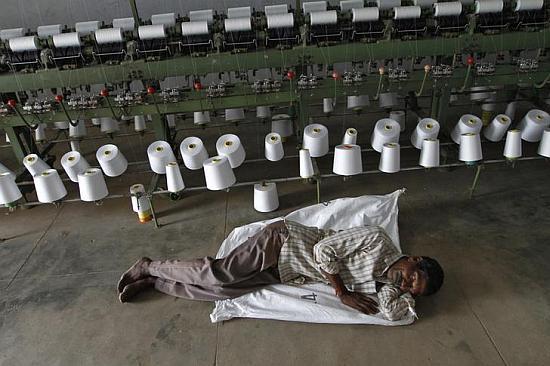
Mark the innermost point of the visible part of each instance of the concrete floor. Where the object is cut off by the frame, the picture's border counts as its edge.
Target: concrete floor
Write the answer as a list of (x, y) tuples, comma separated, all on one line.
[(59, 267)]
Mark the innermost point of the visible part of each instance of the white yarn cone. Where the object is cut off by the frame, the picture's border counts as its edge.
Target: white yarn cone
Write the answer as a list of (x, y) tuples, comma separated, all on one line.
[(390, 160), (61, 125), (266, 198), (92, 186), (533, 124), (112, 161), (273, 147), (230, 145), (357, 102), (75, 145), (171, 120), (263, 112), (399, 117), (544, 146), (96, 121), (306, 165), (350, 137), (40, 133), (234, 114), (34, 164), (282, 124), (193, 153), (218, 173), (385, 131), (429, 154), (79, 130), (468, 123), (347, 160), (73, 163), (511, 110), (470, 148), (160, 153), (328, 105), (427, 128), (7, 139), (174, 180), (9, 192), (140, 203), (316, 140), (200, 118), (388, 100), (134, 190), (4, 169), (496, 130), (512, 148), (49, 187), (109, 125), (139, 123)]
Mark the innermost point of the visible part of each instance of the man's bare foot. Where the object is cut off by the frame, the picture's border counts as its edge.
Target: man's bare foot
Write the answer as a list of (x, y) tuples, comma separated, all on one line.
[(135, 288), (138, 271)]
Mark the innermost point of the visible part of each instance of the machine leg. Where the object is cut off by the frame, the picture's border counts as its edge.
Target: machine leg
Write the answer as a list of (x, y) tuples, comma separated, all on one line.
[(150, 199), (318, 184), (149, 195), (317, 177), (476, 179)]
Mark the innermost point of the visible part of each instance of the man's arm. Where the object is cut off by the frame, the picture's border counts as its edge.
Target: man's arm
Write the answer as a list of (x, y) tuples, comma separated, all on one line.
[(393, 304), (355, 300), (329, 251)]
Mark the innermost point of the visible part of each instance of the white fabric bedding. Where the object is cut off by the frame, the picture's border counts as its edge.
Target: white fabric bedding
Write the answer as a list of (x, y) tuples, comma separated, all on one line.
[(314, 302)]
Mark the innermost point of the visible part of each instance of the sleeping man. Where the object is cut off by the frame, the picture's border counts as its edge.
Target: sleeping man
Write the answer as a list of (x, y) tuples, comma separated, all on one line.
[(357, 262)]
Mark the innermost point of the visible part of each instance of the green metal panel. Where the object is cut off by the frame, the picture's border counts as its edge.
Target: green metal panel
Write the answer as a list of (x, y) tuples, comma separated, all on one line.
[(239, 97)]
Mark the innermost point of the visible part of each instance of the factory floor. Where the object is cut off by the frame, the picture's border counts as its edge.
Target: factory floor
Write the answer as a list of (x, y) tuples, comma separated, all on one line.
[(59, 268)]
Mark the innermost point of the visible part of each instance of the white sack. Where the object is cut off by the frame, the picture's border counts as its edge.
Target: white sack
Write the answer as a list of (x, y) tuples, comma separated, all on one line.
[(320, 305)]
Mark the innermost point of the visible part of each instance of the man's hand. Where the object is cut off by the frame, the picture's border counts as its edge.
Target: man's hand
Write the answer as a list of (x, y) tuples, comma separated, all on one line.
[(355, 300), (359, 302)]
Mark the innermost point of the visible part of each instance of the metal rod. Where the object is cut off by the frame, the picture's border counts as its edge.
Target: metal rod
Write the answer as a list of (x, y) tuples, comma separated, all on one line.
[(67, 114), (476, 179), (153, 213), (111, 107), (135, 13)]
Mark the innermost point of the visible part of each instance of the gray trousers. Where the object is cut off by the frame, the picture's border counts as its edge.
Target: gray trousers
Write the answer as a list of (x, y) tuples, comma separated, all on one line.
[(250, 266)]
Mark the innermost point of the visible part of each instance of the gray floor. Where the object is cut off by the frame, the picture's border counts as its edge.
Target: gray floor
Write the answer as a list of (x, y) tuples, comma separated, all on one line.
[(59, 267)]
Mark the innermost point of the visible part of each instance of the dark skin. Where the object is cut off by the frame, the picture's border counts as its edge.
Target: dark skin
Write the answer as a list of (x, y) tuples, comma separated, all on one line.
[(404, 273)]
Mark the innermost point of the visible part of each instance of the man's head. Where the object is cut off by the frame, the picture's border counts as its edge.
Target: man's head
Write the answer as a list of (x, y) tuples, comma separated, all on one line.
[(417, 275)]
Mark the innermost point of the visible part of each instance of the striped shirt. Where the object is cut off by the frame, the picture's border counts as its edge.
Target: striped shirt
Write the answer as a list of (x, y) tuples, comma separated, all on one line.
[(360, 255)]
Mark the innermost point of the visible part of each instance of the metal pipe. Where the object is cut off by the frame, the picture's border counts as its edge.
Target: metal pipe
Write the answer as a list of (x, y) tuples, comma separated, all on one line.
[(135, 13)]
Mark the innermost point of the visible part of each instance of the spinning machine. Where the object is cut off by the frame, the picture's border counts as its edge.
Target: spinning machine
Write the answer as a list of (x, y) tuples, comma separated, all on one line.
[(313, 52)]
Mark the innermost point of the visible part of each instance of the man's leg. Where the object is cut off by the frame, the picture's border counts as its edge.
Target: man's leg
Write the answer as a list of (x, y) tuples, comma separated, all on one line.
[(257, 254), (195, 292), (242, 265)]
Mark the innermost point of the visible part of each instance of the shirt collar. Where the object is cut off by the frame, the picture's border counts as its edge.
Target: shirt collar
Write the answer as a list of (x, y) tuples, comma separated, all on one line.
[(390, 261)]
